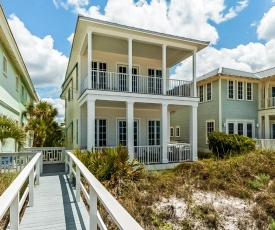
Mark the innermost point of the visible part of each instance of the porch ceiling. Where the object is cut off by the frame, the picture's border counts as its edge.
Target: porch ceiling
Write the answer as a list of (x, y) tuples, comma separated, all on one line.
[(115, 45)]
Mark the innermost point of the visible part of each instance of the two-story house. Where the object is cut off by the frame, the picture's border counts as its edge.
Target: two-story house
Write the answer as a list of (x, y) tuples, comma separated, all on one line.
[(118, 90), (232, 101), (16, 87)]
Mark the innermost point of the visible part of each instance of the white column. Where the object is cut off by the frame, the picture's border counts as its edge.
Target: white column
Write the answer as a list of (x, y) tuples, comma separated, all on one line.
[(267, 127), (90, 124), (130, 62), (194, 75), (260, 128), (79, 76), (130, 128), (164, 135), (193, 132), (266, 94), (90, 55), (168, 126), (164, 69), (79, 128)]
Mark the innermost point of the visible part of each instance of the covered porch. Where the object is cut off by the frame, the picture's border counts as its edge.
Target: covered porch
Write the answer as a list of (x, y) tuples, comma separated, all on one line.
[(143, 127)]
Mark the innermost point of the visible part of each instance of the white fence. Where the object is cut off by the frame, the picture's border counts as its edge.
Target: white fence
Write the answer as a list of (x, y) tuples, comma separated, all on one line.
[(14, 161), (120, 216), (148, 154), (50, 154), (10, 199), (111, 81), (179, 152), (265, 144)]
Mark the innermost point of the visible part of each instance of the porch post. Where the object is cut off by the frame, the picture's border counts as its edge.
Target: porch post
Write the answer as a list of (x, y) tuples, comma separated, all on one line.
[(90, 124), (79, 76), (164, 69), (89, 59), (130, 63), (260, 128), (193, 132), (168, 127), (267, 127), (130, 128), (164, 132), (194, 75)]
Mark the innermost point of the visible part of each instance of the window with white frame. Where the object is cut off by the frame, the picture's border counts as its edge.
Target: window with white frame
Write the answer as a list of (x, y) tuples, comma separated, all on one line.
[(209, 91), (240, 90), (177, 131), (122, 132), (231, 89), (5, 66), (154, 132), (171, 131), (77, 131), (100, 132), (249, 91), (210, 127), (241, 127), (201, 93)]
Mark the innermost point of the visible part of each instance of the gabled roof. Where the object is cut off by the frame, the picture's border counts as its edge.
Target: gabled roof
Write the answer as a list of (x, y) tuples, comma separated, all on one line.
[(266, 73), (8, 41), (228, 72)]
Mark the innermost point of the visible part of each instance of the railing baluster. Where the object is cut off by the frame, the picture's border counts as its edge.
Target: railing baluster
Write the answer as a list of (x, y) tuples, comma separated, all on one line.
[(14, 213), (93, 209), (71, 170), (31, 188), (77, 184)]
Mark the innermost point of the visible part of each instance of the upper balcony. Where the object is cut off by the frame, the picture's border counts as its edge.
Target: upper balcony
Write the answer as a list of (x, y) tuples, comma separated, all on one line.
[(267, 104), (112, 81)]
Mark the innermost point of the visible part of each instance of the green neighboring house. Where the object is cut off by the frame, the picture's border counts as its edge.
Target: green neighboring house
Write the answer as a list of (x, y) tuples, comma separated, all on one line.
[(231, 101), (16, 87)]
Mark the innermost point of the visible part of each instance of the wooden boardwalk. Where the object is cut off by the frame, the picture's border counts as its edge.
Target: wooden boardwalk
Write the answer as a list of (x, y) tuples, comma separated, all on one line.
[(55, 206)]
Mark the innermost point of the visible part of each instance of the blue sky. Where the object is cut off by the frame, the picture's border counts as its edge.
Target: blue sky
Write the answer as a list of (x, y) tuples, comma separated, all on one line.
[(239, 32)]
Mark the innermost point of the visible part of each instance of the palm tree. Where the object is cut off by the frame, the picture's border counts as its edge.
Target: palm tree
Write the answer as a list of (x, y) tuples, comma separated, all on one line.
[(41, 121), (9, 128)]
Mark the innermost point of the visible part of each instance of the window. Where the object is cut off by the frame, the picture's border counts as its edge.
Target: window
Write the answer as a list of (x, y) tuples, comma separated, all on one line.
[(76, 78), (172, 131), (5, 66), (240, 129), (240, 90), (249, 130), (210, 127), (201, 93), (231, 89), (209, 91), (17, 83), (23, 91), (243, 127), (177, 134), (249, 91), (99, 75), (100, 132), (154, 132), (230, 128)]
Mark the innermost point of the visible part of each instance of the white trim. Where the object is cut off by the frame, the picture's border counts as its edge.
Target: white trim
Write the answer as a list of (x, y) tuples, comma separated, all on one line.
[(220, 105), (227, 89), (177, 127), (237, 91), (5, 73), (17, 82), (199, 96), (206, 131), (245, 122), (251, 90)]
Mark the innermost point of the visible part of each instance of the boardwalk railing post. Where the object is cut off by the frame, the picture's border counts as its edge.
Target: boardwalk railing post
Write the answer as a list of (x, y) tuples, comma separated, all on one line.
[(77, 184), (66, 161), (37, 170), (71, 170), (41, 163), (14, 213), (31, 188), (93, 209)]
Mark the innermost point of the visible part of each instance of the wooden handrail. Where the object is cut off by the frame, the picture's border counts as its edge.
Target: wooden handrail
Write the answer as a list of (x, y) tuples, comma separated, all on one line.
[(120, 216)]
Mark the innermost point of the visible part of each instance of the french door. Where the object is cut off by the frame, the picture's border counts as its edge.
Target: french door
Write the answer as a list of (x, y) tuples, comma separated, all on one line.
[(154, 132), (272, 130), (122, 132), (123, 74), (99, 75), (100, 132)]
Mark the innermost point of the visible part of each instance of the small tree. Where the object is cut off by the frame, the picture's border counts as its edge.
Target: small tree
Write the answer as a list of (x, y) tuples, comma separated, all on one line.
[(46, 131), (9, 128)]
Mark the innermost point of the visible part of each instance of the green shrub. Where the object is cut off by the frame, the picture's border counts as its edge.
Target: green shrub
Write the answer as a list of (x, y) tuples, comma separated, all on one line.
[(272, 224), (222, 144), (255, 184), (110, 164)]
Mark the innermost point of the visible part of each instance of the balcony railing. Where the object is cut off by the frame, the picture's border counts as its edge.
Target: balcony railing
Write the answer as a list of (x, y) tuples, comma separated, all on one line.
[(179, 152), (111, 81), (271, 102)]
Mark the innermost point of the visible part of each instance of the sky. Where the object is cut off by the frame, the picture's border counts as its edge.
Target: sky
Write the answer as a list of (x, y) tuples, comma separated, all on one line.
[(241, 33)]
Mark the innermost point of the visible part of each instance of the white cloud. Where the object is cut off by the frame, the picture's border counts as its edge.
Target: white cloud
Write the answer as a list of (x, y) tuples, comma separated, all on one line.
[(60, 105), (180, 17), (266, 28), (46, 65), (70, 38)]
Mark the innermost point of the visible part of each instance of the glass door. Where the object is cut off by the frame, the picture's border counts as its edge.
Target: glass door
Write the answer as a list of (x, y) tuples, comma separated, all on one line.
[(272, 130), (122, 132), (122, 77), (135, 79)]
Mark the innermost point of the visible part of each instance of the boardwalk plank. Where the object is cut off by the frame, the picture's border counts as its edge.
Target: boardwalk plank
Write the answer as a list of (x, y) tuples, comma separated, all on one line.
[(55, 206)]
